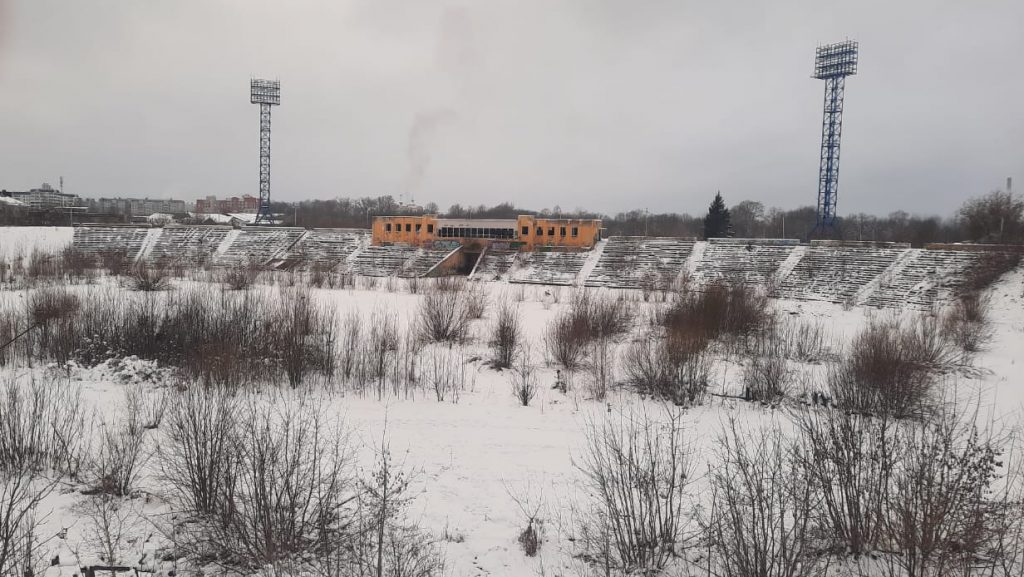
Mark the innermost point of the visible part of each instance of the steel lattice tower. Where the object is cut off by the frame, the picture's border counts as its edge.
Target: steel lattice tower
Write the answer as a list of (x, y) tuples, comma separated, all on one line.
[(266, 93), (832, 63)]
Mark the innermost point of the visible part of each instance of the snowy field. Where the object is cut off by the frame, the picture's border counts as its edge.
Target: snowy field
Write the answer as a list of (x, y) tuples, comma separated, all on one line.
[(479, 461)]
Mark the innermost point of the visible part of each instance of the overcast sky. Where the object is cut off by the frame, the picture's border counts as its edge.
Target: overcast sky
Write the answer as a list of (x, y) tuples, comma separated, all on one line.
[(608, 105)]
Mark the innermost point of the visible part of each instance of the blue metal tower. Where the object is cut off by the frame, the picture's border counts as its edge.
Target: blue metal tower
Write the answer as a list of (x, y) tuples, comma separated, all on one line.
[(832, 63), (266, 93)]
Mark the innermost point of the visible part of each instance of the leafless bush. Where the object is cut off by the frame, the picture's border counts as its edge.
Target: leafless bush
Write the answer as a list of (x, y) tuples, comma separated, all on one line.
[(443, 316), (721, 310), (967, 324), (109, 522), (287, 489), (523, 378), (766, 377), (806, 341), (588, 317), (763, 505), (530, 505), (506, 335), (851, 459), (241, 275), (636, 470), (601, 368), (148, 278), (891, 368), (382, 540), (41, 428), (119, 461), (941, 518), (197, 458), (116, 262), (305, 336), (476, 301), (674, 368), (445, 372), (21, 492), (145, 406), (989, 268)]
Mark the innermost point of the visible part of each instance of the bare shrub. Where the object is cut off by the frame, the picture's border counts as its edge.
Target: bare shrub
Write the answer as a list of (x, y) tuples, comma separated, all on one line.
[(523, 378), (851, 458), (117, 466), (305, 336), (636, 469), (529, 505), (148, 278), (241, 275), (443, 316), (806, 341), (766, 377), (588, 317), (763, 506), (445, 372), (941, 518), (197, 456), (721, 310), (116, 262), (601, 369), (41, 428), (287, 489), (676, 368), (109, 522), (21, 492), (476, 300), (989, 268), (145, 406), (967, 324), (506, 336), (891, 368), (383, 541)]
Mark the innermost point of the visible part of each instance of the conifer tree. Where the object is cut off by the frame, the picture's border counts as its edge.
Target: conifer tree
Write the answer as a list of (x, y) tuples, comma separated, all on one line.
[(717, 223)]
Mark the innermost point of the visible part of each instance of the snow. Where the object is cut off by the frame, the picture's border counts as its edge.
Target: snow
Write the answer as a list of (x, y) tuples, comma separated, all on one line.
[(22, 240), (471, 454)]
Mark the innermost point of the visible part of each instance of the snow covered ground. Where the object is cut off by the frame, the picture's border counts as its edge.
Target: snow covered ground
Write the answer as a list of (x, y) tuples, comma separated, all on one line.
[(474, 455), (22, 240)]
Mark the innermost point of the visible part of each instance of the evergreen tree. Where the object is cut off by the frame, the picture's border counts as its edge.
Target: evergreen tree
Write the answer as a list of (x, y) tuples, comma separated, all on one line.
[(717, 223)]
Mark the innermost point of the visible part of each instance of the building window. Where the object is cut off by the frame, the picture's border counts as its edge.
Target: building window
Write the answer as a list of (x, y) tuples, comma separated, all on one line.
[(551, 231), (561, 231), (526, 231), (540, 231), (418, 226), (575, 231), (387, 227), (408, 227), (430, 229)]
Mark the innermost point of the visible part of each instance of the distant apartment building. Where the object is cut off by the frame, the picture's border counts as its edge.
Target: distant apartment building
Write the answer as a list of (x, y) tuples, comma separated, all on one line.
[(213, 205), (45, 197), (137, 206)]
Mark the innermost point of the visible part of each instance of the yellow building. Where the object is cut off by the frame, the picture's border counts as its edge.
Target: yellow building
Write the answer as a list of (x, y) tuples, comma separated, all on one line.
[(527, 232)]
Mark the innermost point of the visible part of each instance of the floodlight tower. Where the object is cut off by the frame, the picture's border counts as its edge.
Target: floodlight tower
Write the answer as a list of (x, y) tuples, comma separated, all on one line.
[(832, 63), (266, 93)]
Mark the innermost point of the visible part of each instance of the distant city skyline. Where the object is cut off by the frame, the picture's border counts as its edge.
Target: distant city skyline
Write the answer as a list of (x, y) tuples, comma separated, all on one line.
[(603, 105)]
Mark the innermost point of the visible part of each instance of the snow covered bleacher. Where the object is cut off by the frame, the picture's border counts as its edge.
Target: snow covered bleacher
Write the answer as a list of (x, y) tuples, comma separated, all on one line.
[(495, 262), (98, 240), (837, 271), (549, 267), (422, 261), (187, 244), (746, 261), (382, 260), (925, 278), (636, 261), (326, 248), (259, 245)]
